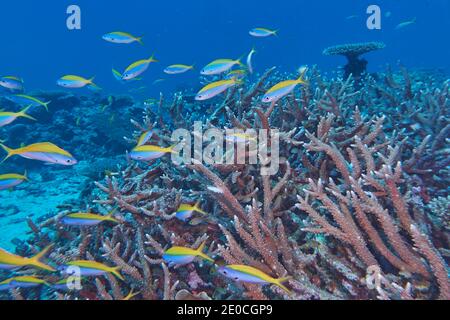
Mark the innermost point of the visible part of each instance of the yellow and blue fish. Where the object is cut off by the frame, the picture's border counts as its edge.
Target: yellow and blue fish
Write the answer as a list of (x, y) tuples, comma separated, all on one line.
[(9, 261), (249, 60), (64, 284), (144, 138), (185, 211), (282, 89), (75, 82), (183, 255), (215, 88), (91, 268), (9, 117), (178, 68), (11, 180), (242, 273), (12, 83), (26, 100), (149, 152), (262, 32), (121, 37), (137, 68), (219, 66), (22, 282), (44, 151), (87, 219)]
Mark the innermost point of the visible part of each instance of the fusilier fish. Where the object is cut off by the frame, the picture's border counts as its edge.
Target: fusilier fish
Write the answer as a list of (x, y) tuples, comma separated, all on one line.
[(213, 89), (144, 138), (183, 255), (178, 68), (9, 261), (11, 180), (75, 82), (219, 66), (242, 273), (91, 268), (121, 37), (262, 32), (149, 152), (282, 89), (87, 219), (405, 24), (137, 68), (249, 61), (44, 151), (185, 211), (9, 117), (22, 282), (12, 83), (26, 100)]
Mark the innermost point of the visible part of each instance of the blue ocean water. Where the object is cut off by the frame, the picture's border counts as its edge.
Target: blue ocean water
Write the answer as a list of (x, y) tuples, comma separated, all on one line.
[(37, 45)]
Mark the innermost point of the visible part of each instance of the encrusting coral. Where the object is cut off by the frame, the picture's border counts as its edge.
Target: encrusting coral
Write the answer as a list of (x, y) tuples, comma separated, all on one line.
[(350, 214)]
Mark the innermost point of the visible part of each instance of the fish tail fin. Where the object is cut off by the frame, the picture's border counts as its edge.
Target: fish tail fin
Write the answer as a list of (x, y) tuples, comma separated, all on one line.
[(9, 151), (239, 62), (115, 271), (275, 32), (25, 175), (202, 254), (170, 149), (110, 217), (35, 261), (24, 114), (46, 104), (198, 209), (91, 81), (279, 282), (139, 39), (152, 58)]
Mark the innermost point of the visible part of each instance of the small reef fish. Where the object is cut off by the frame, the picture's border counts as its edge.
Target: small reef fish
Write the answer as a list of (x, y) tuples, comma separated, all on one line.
[(183, 255), (11, 180), (219, 66), (185, 211), (405, 24), (213, 89), (263, 32), (75, 82), (249, 274), (92, 268), (9, 117), (149, 152), (22, 282), (237, 74), (178, 68), (119, 77), (23, 99), (9, 261), (249, 61), (131, 295), (354, 16), (65, 284), (137, 68), (388, 14), (44, 151), (121, 38), (144, 138), (12, 83), (87, 219), (282, 89)]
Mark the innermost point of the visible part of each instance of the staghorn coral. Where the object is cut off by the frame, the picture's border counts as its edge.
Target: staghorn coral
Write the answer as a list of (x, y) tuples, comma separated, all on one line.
[(347, 207)]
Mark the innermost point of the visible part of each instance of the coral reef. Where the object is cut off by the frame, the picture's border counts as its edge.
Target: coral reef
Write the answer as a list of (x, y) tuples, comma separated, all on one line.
[(355, 66), (358, 209)]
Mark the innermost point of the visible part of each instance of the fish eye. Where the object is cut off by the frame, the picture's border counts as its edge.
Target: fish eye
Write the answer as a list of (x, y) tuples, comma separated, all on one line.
[(68, 161)]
